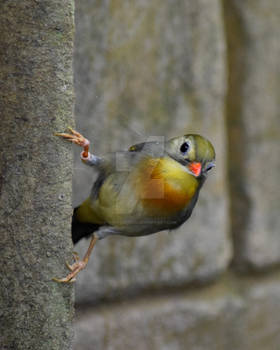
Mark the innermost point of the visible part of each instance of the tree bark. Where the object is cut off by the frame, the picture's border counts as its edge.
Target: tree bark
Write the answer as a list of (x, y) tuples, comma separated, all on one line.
[(36, 100)]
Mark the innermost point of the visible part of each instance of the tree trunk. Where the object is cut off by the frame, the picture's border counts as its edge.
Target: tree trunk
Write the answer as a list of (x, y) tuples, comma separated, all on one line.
[(36, 90)]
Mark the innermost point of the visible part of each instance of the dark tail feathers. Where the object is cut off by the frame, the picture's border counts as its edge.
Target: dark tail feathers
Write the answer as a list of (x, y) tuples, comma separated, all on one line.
[(81, 229)]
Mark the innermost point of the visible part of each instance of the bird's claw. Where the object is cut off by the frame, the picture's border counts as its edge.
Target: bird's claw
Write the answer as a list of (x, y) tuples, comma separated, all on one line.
[(74, 268), (78, 264), (76, 256), (69, 266), (64, 280), (74, 137)]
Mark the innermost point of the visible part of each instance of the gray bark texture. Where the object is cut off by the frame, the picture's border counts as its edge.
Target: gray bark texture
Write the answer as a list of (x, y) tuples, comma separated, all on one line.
[(36, 100)]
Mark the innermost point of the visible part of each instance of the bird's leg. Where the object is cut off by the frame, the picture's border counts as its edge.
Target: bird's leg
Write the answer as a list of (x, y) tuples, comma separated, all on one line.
[(87, 157), (78, 264), (78, 139)]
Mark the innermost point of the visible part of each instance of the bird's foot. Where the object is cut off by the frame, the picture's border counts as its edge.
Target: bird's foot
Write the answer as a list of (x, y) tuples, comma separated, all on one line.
[(76, 138), (74, 268), (78, 264), (76, 258)]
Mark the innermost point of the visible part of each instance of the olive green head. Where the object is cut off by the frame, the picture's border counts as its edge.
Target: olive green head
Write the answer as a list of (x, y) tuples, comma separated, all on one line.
[(193, 151)]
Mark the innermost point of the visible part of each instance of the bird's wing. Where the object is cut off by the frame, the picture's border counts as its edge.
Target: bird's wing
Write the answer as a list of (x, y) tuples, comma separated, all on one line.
[(138, 147), (152, 148)]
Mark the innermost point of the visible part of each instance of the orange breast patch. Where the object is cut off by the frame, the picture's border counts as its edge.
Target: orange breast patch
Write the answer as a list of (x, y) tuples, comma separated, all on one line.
[(163, 188)]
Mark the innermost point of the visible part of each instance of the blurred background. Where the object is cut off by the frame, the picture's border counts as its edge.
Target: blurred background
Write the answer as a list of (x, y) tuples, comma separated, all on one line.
[(166, 68)]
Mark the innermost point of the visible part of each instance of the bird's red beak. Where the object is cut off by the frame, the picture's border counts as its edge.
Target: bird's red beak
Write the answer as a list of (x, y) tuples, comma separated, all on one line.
[(195, 168)]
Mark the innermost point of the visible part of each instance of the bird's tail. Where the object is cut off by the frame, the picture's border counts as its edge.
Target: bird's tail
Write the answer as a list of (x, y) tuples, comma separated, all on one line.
[(81, 229)]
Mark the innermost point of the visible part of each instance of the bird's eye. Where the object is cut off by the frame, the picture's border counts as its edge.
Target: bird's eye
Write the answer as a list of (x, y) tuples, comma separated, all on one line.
[(184, 147)]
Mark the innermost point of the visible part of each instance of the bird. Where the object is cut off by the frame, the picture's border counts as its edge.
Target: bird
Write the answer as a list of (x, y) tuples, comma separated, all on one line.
[(150, 187)]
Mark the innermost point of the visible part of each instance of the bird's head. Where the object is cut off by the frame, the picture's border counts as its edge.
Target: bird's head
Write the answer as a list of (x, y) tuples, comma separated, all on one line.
[(193, 151)]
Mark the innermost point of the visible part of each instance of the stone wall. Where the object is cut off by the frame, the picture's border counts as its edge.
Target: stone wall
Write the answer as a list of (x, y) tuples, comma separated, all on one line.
[(165, 68)]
